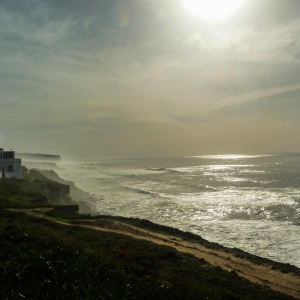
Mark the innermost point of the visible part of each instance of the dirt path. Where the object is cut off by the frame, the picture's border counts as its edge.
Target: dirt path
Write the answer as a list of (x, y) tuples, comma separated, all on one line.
[(263, 274)]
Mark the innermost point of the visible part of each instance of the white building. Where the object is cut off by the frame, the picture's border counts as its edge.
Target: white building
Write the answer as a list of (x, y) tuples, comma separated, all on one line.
[(9, 165)]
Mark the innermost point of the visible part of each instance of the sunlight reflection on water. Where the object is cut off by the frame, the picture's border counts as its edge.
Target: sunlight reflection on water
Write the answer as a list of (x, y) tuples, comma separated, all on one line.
[(249, 202)]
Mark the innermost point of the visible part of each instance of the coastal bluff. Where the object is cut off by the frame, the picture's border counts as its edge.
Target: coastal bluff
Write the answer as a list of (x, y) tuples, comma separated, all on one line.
[(49, 250), (37, 189), (33, 190), (38, 156)]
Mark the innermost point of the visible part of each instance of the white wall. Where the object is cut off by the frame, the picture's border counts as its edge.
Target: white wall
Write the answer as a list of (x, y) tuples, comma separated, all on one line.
[(16, 167)]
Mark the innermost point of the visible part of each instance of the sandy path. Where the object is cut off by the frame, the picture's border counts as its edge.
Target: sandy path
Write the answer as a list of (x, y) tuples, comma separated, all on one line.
[(287, 283)]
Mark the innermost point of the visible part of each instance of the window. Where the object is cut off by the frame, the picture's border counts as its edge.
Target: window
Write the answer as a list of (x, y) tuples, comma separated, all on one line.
[(10, 168)]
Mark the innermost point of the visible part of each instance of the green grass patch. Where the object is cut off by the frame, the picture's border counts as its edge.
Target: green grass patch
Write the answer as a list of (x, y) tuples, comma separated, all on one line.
[(40, 259), (29, 192)]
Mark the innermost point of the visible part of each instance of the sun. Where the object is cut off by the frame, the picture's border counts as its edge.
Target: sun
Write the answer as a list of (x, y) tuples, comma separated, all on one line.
[(213, 10)]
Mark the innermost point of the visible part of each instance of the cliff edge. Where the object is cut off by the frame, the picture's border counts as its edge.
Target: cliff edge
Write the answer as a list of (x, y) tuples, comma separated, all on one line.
[(33, 190)]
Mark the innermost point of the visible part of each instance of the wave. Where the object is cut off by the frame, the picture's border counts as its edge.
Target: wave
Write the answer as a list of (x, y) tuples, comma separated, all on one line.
[(138, 190), (144, 192), (156, 169), (278, 212), (135, 172), (232, 156)]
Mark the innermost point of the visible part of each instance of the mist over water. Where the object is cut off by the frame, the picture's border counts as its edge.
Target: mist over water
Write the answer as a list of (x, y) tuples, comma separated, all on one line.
[(247, 201)]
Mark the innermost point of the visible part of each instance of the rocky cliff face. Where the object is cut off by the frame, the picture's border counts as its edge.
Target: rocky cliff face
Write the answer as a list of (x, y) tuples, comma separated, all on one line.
[(59, 191), (80, 197), (33, 190), (38, 157), (56, 193)]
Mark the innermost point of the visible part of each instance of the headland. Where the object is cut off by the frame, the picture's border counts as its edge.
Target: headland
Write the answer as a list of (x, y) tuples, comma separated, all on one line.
[(49, 247)]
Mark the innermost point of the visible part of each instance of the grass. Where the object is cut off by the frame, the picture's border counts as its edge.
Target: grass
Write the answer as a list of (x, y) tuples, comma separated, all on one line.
[(30, 191), (41, 259)]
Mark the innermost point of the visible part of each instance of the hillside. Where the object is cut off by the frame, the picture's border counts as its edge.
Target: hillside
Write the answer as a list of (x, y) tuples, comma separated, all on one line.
[(52, 252), (33, 190), (38, 156)]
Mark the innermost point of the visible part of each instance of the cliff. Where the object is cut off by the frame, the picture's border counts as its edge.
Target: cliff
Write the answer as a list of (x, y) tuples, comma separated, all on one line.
[(85, 201), (44, 165), (38, 156), (56, 253), (33, 190), (56, 193)]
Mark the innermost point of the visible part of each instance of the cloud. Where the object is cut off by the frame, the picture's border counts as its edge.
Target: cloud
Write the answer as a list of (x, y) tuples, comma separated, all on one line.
[(273, 42), (35, 28), (113, 70), (280, 42), (280, 104)]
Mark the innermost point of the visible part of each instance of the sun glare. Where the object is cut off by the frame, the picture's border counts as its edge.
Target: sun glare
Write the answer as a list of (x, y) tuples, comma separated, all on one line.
[(213, 10)]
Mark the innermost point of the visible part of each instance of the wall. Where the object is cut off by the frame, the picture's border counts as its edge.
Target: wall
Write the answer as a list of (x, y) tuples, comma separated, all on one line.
[(16, 167)]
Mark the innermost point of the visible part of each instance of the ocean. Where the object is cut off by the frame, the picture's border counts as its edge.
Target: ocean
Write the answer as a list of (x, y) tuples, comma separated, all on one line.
[(251, 202)]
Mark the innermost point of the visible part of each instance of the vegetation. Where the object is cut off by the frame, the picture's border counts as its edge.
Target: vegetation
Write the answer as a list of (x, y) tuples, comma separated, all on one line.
[(33, 190), (41, 259)]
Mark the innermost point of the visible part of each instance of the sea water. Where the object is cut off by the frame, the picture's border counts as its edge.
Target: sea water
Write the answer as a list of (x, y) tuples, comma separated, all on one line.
[(251, 202)]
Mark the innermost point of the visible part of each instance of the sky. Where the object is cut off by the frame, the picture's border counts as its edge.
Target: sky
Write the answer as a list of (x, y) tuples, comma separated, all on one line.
[(147, 78)]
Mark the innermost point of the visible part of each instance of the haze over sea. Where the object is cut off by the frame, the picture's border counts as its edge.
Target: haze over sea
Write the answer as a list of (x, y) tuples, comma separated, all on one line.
[(251, 202)]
